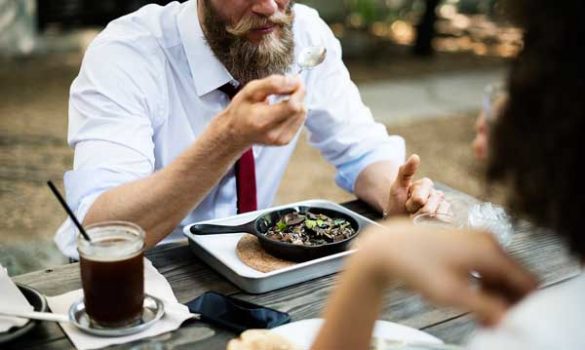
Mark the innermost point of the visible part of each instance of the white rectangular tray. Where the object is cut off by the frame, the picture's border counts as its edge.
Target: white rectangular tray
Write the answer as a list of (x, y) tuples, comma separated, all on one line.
[(219, 252)]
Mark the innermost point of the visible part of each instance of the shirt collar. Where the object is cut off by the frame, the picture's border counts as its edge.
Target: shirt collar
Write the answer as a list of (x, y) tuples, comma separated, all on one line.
[(207, 71)]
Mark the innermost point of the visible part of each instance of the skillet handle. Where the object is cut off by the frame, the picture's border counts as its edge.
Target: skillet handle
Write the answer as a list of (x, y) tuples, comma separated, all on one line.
[(208, 229)]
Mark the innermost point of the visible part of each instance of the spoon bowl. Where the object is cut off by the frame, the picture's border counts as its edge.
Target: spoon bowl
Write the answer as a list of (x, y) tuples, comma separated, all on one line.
[(311, 56)]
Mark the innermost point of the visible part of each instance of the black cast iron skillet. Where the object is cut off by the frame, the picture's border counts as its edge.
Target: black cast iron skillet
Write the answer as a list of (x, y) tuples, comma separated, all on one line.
[(287, 251)]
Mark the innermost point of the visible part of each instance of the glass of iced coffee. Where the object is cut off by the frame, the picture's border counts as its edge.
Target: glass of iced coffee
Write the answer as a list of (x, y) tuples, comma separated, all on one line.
[(112, 273)]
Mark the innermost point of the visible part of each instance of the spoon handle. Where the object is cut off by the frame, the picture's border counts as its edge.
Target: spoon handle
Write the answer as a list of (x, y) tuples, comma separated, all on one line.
[(280, 98), (33, 315)]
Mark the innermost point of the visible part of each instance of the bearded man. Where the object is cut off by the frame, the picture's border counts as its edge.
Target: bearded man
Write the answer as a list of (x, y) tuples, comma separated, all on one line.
[(173, 119)]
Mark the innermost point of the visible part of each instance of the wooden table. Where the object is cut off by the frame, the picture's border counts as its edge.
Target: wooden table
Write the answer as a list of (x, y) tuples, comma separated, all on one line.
[(189, 277)]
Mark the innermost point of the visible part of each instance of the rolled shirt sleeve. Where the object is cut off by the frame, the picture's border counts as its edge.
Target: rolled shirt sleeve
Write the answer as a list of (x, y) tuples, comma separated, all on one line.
[(111, 126), (339, 124)]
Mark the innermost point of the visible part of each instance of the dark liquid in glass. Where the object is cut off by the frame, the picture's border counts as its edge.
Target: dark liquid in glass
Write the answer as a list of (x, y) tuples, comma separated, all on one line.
[(113, 290)]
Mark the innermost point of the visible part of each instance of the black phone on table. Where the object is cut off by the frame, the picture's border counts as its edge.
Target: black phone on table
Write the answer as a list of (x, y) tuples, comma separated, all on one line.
[(235, 314)]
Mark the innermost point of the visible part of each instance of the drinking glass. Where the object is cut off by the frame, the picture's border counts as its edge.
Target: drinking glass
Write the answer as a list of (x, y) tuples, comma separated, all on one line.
[(467, 214), (112, 273)]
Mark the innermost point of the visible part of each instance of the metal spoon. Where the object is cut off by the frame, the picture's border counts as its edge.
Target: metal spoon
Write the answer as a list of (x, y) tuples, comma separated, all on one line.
[(33, 315), (311, 57), (49, 316)]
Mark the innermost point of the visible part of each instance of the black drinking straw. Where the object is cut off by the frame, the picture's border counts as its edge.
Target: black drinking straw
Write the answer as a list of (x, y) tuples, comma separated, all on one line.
[(68, 210)]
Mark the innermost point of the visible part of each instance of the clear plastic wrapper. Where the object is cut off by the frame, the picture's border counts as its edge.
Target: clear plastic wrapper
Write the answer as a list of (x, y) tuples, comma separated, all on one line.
[(493, 218)]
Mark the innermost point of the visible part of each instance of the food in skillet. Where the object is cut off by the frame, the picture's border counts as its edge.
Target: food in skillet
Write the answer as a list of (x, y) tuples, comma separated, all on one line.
[(310, 229)]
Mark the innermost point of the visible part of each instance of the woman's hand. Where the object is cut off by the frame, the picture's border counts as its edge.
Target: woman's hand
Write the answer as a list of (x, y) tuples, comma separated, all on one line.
[(438, 264)]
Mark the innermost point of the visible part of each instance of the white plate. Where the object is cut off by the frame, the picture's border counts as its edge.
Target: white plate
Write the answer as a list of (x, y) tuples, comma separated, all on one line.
[(303, 332)]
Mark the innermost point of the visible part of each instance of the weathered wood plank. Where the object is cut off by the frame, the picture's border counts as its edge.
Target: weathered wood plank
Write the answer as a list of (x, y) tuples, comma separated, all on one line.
[(53, 281), (44, 334), (454, 331), (543, 253), (186, 337), (307, 300), (54, 344), (188, 276)]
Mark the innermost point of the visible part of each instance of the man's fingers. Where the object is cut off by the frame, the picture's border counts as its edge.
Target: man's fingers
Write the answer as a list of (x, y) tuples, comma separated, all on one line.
[(283, 112), (298, 96), (286, 118), (259, 90), (284, 132), (444, 208), (407, 171), (421, 194), (427, 203)]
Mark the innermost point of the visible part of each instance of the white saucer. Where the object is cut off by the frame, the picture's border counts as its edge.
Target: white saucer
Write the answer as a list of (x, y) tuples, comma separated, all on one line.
[(303, 332)]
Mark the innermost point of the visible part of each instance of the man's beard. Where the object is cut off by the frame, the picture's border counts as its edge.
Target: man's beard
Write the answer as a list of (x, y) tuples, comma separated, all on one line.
[(244, 59)]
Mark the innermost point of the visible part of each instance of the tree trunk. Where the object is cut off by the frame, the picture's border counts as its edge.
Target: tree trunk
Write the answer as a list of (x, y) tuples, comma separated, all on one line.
[(425, 30)]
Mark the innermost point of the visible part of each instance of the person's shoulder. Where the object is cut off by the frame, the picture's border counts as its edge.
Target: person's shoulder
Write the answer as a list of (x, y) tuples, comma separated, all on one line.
[(550, 317), (307, 19), (304, 12), (146, 31), (311, 29), (130, 53)]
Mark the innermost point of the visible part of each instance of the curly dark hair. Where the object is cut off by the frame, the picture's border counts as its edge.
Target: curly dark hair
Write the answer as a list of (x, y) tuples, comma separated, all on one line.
[(537, 143)]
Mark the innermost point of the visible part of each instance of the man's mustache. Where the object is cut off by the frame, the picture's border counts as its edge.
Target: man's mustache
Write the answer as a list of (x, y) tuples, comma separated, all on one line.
[(252, 22)]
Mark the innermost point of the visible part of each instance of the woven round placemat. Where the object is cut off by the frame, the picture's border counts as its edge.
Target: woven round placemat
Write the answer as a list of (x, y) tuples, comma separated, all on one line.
[(253, 255)]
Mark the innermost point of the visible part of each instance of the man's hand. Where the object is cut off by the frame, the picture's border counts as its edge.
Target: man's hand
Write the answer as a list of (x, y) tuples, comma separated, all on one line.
[(251, 119), (480, 142), (438, 264), (410, 197), (185, 182)]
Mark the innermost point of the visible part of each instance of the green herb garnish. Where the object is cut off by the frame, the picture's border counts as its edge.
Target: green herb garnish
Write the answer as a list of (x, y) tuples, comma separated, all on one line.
[(281, 225), (310, 223)]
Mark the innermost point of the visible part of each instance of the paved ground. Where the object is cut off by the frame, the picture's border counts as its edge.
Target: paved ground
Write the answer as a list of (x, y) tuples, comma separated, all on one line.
[(431, 96), (432, 103)]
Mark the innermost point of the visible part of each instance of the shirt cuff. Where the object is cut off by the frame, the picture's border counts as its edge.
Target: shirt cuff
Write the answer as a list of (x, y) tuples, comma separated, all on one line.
[(82, 183), (348, 172)]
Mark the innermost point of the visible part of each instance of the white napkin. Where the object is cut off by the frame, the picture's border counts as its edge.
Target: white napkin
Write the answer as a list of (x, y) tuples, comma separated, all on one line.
[(154, 284), (11, 299)]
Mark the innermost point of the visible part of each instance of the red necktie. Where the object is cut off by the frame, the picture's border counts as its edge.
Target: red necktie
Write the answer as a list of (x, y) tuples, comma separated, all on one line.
[(245, 169)]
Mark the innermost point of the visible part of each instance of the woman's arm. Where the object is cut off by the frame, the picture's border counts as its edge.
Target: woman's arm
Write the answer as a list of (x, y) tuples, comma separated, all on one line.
[(435, 263)]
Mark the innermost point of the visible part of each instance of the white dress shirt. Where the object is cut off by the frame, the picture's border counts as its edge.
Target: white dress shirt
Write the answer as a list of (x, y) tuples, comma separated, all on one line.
[(147, 89)]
